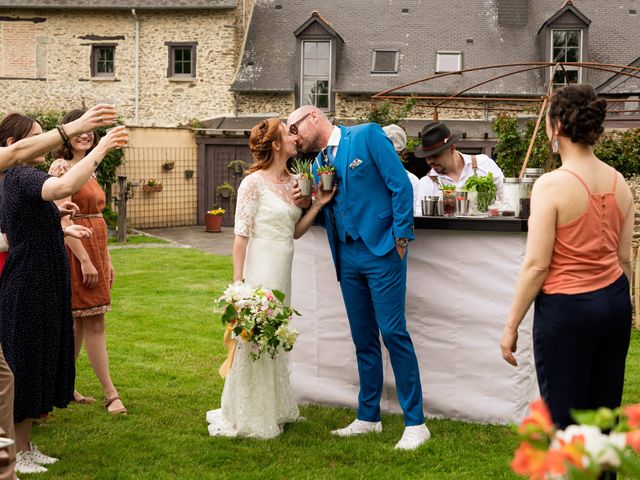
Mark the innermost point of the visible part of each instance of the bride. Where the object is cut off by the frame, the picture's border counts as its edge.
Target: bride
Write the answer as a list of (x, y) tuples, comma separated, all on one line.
[(257, 399)]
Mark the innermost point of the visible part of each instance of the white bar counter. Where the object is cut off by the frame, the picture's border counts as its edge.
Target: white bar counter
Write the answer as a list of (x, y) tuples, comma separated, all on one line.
[(460, 282)]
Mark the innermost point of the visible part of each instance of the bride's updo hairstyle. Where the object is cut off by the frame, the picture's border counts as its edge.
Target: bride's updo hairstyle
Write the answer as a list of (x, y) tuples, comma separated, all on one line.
[(261, 143), (579, 112)]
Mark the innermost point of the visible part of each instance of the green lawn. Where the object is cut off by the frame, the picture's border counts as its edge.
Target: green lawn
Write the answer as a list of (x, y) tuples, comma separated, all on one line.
[(165, 347), (136, 240)]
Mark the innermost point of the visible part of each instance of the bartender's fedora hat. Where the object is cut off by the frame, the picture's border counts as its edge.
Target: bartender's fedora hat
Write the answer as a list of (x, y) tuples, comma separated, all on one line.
[(434, 138)]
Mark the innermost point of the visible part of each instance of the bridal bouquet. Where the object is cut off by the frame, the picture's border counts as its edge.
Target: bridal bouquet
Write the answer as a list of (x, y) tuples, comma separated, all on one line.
[(260, 317), (580, 452)]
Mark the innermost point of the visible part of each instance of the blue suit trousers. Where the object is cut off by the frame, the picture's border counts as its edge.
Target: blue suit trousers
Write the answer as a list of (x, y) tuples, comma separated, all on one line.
[(374, 289)]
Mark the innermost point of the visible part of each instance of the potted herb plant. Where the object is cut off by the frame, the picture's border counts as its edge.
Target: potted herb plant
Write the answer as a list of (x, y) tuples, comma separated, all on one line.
[(152, 185), (302, 169), (225, 190), (237, 166), (213, 219), (485, 189), (327, 174)]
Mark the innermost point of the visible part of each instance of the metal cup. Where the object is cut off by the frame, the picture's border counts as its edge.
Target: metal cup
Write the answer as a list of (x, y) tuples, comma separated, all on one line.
[(462, 207), (428, 207), (439, 208)]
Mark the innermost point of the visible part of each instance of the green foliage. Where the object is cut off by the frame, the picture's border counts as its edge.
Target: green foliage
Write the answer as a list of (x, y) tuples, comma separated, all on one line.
[(513, 143), (106, 172), (302, 168), (110, 217), (621, 150), (385, 113)]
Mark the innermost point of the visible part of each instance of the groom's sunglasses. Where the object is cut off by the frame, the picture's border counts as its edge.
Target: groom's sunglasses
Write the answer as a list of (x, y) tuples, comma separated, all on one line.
[(293, 128)]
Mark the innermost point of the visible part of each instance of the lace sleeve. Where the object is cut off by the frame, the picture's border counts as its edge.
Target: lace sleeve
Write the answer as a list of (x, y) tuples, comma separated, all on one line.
[(247, 205), (59, 168)]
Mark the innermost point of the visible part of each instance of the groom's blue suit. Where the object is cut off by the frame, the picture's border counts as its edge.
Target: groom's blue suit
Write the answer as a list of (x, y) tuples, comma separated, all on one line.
[(373, 206)]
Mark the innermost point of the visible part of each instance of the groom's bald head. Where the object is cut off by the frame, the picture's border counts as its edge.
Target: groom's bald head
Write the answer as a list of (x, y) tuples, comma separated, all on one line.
[(312, 127)]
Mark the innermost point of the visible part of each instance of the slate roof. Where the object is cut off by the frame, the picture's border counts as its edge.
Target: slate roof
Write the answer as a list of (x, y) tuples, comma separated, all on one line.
[(488, 32), (120, 4)]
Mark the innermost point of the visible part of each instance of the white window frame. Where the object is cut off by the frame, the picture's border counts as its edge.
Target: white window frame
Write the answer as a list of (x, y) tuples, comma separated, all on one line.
[(446, 52), (302, 93), (382, 72), (579, 69)]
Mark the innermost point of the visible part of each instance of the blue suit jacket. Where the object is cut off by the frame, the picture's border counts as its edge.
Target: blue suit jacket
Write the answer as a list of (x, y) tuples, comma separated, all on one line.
[(378, 192)]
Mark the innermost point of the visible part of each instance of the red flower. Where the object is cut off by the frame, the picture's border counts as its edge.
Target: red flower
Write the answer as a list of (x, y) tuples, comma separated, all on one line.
[(539, 422), (529, 461), (633, 440), (632, 413), (571, 452)]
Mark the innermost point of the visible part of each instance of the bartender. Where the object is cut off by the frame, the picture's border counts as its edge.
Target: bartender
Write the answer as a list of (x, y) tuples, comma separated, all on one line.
[(448, 165)]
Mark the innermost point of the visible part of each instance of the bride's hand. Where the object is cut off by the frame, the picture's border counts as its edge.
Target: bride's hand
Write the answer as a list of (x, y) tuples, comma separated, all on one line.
[(322, 197)]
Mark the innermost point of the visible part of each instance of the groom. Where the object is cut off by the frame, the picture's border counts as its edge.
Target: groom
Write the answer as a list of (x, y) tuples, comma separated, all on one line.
[(369, 224)]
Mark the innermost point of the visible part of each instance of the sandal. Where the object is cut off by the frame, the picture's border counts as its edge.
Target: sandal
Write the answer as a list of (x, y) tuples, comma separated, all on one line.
[(119, 411), (78, 398)]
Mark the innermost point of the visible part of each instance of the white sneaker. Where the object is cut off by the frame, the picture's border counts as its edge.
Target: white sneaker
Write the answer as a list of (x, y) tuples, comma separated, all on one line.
[(38, 457), (413, 437), (25, 465), (358, 427)]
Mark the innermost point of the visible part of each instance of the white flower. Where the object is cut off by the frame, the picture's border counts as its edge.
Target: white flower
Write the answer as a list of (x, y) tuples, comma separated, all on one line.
[(602, 448)]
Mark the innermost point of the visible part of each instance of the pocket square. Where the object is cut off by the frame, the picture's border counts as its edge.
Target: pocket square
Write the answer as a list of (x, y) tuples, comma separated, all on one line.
[(355, 163)]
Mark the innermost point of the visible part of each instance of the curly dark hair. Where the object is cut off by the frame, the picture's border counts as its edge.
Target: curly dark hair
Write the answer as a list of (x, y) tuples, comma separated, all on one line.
[(579, 112)]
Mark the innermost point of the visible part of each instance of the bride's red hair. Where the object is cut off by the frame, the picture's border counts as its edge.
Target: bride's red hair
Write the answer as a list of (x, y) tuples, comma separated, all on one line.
[(261, 143)]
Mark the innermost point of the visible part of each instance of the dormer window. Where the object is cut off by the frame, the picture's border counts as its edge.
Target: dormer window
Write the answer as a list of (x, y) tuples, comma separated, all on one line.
[(565, 38), (318, 48), (316, 74), (566, 47)]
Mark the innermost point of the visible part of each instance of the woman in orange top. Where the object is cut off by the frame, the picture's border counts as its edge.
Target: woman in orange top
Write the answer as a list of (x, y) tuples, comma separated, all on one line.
[(92, 272), (577, 266)]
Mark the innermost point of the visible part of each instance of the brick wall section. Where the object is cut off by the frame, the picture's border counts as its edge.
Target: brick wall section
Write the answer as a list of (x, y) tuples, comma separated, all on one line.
[(63, 59), (18, 49)]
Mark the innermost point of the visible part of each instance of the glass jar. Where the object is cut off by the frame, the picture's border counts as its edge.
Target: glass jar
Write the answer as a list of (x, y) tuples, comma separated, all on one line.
[(526, 187), (511, 193)]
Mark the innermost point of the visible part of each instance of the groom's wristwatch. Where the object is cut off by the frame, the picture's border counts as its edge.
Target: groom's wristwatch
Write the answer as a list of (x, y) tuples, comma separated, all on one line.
[(402, 242)]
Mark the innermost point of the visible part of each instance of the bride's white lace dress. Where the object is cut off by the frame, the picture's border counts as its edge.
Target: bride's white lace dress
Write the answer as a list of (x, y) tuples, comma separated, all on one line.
[(257, 399)]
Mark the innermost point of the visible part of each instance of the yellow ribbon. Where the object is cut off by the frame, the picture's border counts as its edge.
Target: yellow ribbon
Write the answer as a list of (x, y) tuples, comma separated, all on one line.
[(230, 343)]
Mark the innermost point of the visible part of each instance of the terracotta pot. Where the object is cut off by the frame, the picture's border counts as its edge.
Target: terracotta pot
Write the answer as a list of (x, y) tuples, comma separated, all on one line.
[(152, 188), (213, 223)]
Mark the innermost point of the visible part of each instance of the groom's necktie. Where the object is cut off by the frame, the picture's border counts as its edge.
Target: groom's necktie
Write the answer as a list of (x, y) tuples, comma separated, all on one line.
[(329, 159)]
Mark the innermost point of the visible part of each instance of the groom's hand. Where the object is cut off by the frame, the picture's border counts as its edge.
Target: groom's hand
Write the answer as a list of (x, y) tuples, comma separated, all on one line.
[(298, 199), (402, 251)]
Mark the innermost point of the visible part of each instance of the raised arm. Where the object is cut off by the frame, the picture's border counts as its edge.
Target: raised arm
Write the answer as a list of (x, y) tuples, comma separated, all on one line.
[(27, 149), (58, 188)]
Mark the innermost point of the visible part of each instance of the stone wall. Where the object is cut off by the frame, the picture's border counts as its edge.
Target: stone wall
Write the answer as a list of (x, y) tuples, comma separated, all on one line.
[(356, 106), (45, 62), (250, 103)]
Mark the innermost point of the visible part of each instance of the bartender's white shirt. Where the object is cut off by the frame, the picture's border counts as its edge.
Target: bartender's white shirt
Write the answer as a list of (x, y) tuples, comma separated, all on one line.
[(485, 165)]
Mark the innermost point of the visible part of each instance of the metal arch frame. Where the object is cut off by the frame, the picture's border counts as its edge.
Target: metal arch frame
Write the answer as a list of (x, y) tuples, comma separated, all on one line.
[(521, 68)]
